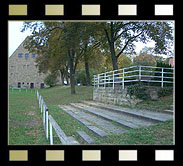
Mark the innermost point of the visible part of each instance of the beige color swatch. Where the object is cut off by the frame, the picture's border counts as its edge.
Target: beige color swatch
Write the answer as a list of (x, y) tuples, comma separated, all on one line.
[(127, 9), (17, 10), (127, 155), (54, 10), (163, 10), (54, 155), (91, 155), (18, 155), (90, 9)]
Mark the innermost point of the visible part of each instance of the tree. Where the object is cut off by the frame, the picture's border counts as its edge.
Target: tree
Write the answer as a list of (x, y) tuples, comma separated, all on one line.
[(51, 79), (122, 35), (144, 60), (70, 38)]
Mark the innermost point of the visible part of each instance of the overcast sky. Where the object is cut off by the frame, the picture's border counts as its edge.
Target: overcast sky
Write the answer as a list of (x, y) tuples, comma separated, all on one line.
[(15, 37)]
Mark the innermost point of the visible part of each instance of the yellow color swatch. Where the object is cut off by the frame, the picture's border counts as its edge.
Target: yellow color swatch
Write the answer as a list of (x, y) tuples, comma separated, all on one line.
[(127, 155), (90, 9), (91, 155), (54, 10), (54, 155), (18, 155), (127, 9), (17, 10)]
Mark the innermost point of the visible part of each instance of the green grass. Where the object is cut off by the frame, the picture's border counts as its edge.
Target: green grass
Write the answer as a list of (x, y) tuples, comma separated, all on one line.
[(160, 134), (61, 95), (25, 124), (20, 103)]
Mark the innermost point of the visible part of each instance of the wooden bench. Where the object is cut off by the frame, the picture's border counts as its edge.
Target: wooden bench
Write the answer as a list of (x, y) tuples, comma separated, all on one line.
[(62, 136)]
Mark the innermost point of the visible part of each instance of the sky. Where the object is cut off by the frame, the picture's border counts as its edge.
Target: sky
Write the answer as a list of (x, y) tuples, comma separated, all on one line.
[(16, 37)]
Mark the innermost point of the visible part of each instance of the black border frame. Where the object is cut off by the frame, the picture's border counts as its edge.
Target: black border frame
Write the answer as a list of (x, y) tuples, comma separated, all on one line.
[(73, 154)]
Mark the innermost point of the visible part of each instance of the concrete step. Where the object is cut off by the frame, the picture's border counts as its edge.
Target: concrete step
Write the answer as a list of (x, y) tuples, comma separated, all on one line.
[(72, 141), (85, 137), (143, 114), (94, 129), (107, 115), (97, 121)]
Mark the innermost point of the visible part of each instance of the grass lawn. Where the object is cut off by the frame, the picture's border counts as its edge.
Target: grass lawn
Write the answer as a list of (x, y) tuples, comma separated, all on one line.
[(25, 124), (21, 133)]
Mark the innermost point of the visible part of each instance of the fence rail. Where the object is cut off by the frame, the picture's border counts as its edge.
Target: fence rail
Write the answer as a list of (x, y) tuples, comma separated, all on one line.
[(134, 74), (44, 112), (49, 123)]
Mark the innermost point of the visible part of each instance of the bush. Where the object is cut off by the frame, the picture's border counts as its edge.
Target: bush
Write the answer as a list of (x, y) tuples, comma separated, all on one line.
[(81, 76), (51, 80), (165, 91), (138, 90)]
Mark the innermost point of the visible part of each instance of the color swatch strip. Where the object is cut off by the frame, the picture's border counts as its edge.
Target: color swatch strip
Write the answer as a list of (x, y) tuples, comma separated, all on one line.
[(91, 10), (91, 155)]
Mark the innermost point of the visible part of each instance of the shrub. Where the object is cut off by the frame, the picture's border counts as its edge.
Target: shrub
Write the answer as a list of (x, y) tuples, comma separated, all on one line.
[(138, 90), (51, 80), (165, 91)]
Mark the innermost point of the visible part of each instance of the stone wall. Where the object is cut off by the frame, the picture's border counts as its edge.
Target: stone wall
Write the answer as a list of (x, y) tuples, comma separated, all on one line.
[(119, 96), (113, 96)]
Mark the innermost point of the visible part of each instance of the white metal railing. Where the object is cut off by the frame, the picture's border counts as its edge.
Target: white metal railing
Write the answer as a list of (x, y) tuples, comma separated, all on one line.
[(44, 112), (134, 74)]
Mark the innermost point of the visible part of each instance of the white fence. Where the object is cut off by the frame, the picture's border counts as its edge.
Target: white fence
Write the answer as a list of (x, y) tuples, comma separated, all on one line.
[(48, 119), (22, 90), (44, 112), (134, 74)]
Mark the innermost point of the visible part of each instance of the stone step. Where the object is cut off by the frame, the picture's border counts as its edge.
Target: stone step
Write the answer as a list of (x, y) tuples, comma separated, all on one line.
[(97, 121), (72, 141), (94, 129), (143, 114), (85, 137), (106, 115)]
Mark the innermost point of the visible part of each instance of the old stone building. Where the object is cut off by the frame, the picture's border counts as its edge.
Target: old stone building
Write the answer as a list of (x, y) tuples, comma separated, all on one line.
[(22, 70)]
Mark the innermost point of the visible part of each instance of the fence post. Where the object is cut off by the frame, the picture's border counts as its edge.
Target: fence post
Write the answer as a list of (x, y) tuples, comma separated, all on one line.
[(51, 134), (123, 83), (46, 123), (94, 80), (41, 103), (98, 81), (162, 77), (104, 80), (113, 80), (43, 115), (139, 73)]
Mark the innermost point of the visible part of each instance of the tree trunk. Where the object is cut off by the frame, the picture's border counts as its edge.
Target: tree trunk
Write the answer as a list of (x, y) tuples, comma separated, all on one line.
[(72, 72), (62, 77), (87, 71)]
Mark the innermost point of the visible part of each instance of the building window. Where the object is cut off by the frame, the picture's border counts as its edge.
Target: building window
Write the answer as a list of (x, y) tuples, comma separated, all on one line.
[(33, 55), (20, 55), (19, 84), (26, 56), (42, 85)]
